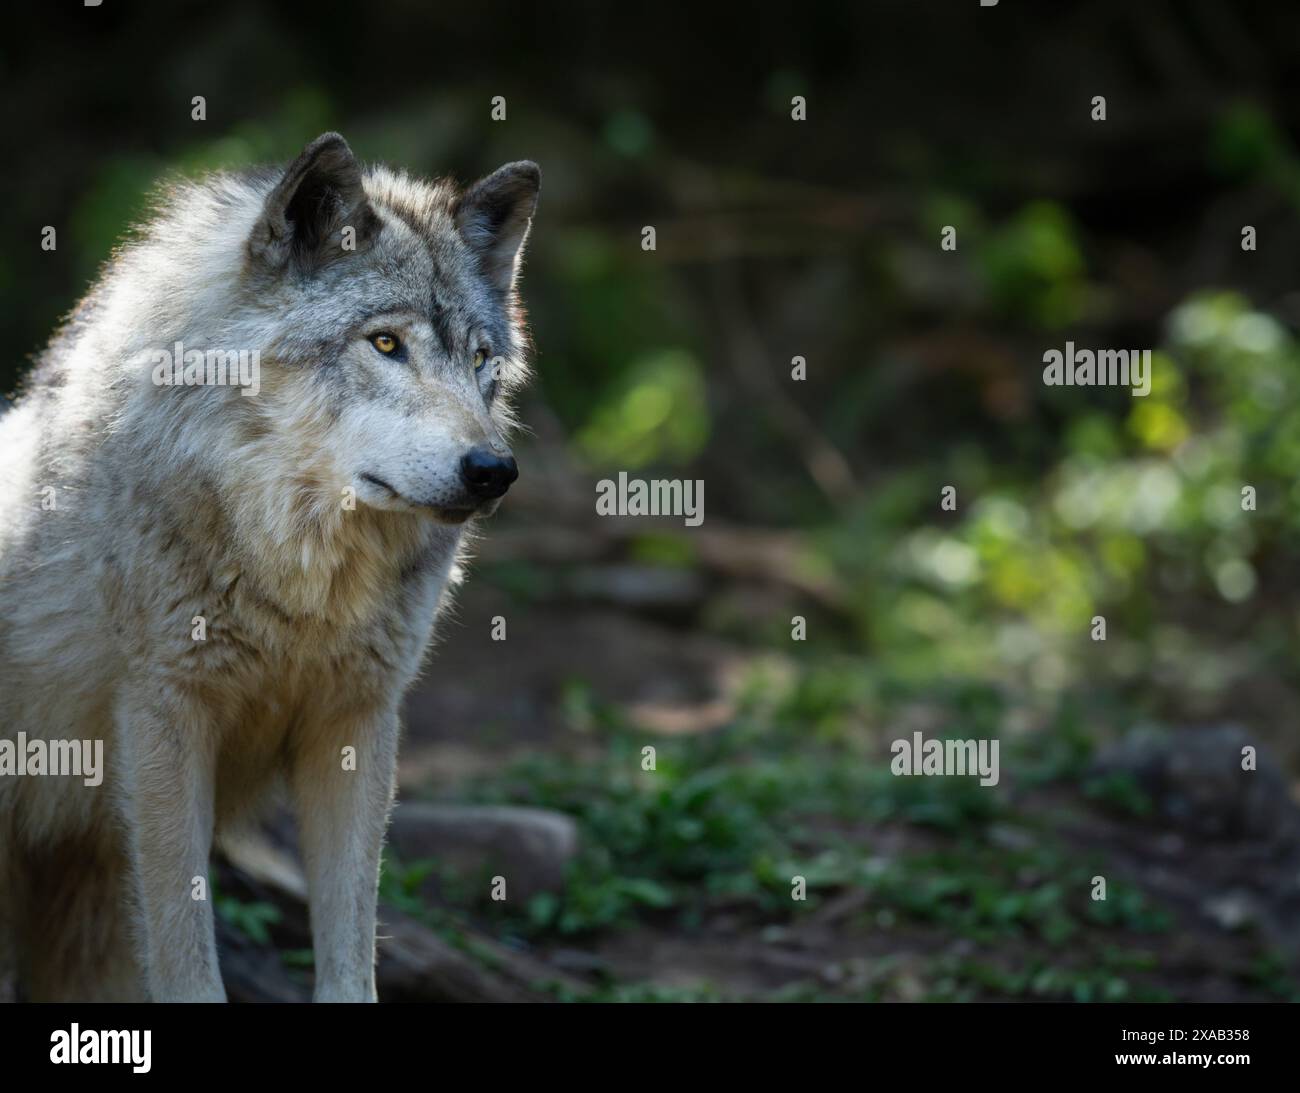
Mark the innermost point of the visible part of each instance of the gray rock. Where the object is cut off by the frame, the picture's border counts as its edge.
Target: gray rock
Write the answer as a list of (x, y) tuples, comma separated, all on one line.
[(1231, 910), (1195, 780), (530, 847)]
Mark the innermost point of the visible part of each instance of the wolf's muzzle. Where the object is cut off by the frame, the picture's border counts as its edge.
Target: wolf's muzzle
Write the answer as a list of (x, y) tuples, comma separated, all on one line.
[(486, 474)]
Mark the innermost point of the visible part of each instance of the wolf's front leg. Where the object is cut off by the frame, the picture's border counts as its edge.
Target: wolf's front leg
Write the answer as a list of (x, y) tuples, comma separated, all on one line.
[(167, 773), (343, 780)]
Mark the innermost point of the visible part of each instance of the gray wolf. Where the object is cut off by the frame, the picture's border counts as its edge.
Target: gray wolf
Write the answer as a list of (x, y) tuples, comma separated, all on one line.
[(233, 592)]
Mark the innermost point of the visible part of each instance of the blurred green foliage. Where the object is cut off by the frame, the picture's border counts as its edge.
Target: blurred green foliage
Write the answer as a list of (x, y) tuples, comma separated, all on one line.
[(1145, 515)]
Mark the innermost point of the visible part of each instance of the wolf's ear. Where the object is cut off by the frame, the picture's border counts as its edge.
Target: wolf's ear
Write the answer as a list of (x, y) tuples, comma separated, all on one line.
[(493, 217), (319, 196)]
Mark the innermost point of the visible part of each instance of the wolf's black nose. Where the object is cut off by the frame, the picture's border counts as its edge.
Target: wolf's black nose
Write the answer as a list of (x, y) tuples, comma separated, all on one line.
[(487, 474)]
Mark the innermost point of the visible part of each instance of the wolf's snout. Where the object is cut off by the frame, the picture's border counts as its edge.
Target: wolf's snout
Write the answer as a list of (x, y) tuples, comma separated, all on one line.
[(486, 474)]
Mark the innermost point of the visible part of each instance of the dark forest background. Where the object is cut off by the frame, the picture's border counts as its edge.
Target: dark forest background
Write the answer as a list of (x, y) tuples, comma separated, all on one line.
[(818, 239)]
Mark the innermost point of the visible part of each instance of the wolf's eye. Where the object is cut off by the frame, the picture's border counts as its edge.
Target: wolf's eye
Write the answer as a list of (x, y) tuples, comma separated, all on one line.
[(385, 343), (480, 359)]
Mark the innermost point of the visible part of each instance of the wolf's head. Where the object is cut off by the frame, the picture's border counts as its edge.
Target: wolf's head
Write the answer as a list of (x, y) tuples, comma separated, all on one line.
[(391, 329)]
